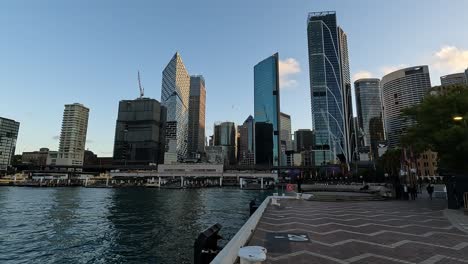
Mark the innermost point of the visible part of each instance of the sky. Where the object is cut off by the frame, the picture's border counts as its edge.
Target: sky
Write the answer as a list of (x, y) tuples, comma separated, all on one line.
[(58, 52)]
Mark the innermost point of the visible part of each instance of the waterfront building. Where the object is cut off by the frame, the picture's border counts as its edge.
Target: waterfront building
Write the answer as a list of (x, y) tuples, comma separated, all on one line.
[(267, 109), (196, 121), (369, 113), (35, 158), (225, 135), (8, 134), (402, 89), (451, 79), (140, 132), (246, 142), (73, 135), (285, 136), (218, 154), (52, 158), (329, 88), (175, 93), (304, 139)]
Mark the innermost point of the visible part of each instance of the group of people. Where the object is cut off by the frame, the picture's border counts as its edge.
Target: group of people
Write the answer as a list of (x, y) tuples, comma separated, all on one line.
[(412, 191)]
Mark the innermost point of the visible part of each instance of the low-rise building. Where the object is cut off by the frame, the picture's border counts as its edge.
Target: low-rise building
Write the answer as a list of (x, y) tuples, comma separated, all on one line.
[(35, 158)]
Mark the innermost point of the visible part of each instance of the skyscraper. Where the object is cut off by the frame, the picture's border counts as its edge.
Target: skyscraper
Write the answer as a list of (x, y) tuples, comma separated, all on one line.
[(175, 93), (285, 136), (304, 139), (139, 132), (267, 109), (196, 127), (8, 135), (455, 78), (402, 89), (73, 135), (246, 142), (466, 76), (225, 135), (369, 112), (329, 88)]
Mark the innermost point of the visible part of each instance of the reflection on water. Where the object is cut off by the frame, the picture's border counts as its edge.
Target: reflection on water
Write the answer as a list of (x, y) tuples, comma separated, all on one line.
[(84, 225)]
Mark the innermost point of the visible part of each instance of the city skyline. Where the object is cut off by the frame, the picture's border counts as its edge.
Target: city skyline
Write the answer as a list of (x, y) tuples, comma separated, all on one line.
[(52, 70)]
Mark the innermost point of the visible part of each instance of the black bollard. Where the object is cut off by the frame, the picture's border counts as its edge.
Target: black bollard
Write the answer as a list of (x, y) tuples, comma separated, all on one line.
[(206, 245)]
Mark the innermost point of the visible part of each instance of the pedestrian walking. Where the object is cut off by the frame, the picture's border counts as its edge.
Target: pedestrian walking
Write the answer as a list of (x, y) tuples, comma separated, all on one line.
[(430, 190)]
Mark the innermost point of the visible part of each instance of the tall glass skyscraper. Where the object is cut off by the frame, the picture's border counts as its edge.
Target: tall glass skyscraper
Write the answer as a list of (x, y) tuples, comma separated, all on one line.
[(175, 94), (329, 88), (8, 135), (369, 112), (267, 109), (196, 127)]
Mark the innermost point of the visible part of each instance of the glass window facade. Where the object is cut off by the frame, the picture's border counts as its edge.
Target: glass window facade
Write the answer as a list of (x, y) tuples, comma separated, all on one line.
[(267, 109), (8, 135)]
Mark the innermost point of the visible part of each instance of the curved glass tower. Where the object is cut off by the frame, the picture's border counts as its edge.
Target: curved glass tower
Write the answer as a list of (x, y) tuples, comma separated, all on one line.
[(175, 93), (329, 87)]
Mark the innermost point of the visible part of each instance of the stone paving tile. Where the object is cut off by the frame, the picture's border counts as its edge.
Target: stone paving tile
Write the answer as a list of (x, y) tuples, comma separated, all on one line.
[(361, 232)]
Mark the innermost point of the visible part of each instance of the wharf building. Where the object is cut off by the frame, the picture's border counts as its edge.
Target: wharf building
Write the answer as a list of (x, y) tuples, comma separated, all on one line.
[(8, 134), (330, 88), (245, 142), (73, 135), (196, 121), (140, 132), (402, 89), (369, 114), (267, 109), (175, 96)]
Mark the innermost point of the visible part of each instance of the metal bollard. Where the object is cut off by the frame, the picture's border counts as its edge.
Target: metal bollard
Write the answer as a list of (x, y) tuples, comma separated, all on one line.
[(252, 255)]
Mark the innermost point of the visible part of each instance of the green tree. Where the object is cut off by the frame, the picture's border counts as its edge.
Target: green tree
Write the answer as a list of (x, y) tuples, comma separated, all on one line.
[(436, 129), (390, 162)]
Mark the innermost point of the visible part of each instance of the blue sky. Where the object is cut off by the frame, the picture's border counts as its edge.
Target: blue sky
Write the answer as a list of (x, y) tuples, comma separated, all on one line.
[(58, 52)]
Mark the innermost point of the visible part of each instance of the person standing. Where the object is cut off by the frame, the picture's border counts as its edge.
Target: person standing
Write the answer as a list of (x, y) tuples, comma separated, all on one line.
[(430, 190)]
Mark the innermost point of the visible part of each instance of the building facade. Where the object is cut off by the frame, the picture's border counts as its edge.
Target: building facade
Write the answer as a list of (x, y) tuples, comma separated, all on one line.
[(175, 94), (196, 121), (402, 89), (466, 76), (285, 136), (267, 109), (451, 79), (73, 135), (369, 113), (8, 134), (35, 158), (140, 132), (304, 139), (329, 88), (246, 142), (225, 135)]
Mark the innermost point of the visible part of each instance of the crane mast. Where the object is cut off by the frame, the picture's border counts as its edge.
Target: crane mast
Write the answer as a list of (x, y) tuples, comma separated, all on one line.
[(142, 90)]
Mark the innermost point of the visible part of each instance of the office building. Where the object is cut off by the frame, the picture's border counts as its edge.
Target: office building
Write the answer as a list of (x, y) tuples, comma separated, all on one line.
[(369, 113), (35, 158), (402, 89), (246, 142), (466, 76), (304, 139), (196, 121), (267, 109), (8, 135), (285, 137), (175, 93), (451, 79), (329, 88), (73, 135), (140, 132), (225, 135)]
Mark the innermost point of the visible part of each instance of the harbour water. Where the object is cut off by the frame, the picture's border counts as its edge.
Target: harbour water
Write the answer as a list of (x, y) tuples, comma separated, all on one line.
[(127, 225)]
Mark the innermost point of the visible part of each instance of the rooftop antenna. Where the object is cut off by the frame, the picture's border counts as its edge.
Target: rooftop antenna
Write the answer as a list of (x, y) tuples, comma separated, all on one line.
[(142, 90)]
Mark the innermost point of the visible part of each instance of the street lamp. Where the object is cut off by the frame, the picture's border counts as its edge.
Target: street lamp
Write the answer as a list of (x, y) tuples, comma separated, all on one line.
[(457, 118)]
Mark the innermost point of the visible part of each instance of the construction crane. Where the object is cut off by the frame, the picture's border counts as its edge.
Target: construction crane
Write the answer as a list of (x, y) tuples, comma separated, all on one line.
[(142, 90)]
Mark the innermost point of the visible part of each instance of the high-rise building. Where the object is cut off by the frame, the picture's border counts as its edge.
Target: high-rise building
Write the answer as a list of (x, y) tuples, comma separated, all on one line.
[(369, 113), (455, 78), (196, 121), (285, 137), (73, 135), (267, 109), (329, 88), (466, 76), (225, 135), (140, 132), (8, 135), (304, 139), (402, 89), (175, 93), (246, 142)]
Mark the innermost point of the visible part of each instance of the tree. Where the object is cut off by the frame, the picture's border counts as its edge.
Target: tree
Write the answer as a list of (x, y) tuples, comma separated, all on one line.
[(436, 129), (391, 162)]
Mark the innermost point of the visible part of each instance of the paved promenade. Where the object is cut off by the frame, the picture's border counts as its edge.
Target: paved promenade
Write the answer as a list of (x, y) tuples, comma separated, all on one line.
[(407, 232)]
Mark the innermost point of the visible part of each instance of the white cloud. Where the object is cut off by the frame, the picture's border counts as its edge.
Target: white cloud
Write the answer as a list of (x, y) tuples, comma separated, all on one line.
[(361, 75), (450, 59), (287, 68)]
